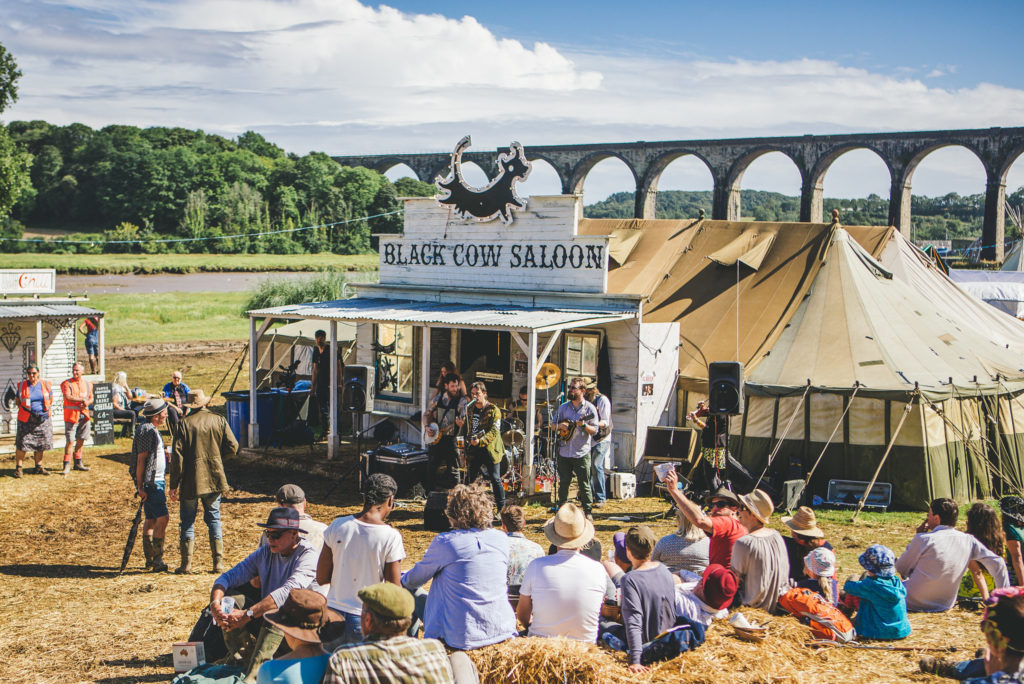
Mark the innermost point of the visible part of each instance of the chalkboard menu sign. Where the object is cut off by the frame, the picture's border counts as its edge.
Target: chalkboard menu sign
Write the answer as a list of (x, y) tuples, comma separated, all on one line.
[(102, 413)]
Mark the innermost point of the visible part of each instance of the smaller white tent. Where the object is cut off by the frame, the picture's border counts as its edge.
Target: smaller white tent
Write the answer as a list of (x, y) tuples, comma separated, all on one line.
[(282, 346), (1002, 289)]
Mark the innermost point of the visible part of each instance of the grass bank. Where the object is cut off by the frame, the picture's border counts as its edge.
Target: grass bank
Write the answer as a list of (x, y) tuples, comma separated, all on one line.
[(92, 264), (153, 318)]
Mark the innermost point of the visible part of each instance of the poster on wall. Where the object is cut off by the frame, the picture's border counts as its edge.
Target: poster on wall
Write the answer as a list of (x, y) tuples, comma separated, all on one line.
[(519, 368), (647, 387)]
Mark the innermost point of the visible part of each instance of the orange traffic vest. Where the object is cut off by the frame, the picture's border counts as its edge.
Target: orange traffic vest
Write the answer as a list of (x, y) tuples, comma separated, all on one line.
[(25, 400), (73, 412)]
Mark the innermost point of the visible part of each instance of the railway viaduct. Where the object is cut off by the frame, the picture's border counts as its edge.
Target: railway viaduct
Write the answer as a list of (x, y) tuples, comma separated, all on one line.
[(727, 159)]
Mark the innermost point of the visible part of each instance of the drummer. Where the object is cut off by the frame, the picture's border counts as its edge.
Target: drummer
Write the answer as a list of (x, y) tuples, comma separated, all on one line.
[(518, 409)]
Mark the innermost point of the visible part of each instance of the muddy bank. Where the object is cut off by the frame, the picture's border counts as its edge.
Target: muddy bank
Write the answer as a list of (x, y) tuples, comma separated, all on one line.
[(232, 281)]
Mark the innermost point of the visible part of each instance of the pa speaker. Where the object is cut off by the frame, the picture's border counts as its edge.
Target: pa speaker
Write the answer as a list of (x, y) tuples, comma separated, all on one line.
[(357, 388), (434, 517), (725, 388)]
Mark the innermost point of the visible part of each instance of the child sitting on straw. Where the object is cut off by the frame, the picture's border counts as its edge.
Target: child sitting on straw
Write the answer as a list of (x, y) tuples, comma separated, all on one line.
[(820, 574), (882, 613)]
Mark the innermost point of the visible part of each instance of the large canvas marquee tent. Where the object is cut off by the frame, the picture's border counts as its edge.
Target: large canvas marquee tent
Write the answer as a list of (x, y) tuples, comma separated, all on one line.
[(850, 341)]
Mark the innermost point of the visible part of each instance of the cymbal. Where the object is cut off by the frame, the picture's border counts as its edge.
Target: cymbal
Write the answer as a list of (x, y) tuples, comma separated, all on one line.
[(548, 376)]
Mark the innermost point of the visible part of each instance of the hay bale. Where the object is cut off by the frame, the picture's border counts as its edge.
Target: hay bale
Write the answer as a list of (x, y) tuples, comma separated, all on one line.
[(533, 660)]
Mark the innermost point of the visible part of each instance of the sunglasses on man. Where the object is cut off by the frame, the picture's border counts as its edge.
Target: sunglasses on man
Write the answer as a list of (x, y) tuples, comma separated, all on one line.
[(276, 534), (721, 504)]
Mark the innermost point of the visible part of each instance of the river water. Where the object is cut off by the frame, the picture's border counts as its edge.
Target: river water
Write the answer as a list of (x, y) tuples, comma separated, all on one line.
[(130, 283)]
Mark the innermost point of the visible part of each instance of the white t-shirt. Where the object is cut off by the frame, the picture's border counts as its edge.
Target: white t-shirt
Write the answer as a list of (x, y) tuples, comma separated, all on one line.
[(567, 589), (161, 460), (360, 551)]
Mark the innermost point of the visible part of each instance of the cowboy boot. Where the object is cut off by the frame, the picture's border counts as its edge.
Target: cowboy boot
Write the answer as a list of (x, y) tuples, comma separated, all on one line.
[(147, 549), (217, 550), (186, 546), (158, 555)]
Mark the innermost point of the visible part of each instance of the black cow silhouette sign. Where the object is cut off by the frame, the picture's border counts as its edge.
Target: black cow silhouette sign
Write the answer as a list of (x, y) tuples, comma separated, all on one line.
[(498, 198)]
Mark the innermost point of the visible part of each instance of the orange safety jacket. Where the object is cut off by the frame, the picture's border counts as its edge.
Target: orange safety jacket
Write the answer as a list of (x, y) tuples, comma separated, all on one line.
[(74, 409), (25, 400)]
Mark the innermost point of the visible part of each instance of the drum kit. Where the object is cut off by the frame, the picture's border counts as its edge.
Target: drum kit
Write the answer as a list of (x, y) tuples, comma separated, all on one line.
[(513, 426)]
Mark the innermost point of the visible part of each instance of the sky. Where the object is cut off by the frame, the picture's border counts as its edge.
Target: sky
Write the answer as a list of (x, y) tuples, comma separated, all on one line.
[(347, 77)]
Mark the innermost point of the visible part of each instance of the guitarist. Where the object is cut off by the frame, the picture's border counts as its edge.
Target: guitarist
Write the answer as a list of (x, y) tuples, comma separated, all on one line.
[(485, 448), (602, 441), (447, 410), (577, 421)]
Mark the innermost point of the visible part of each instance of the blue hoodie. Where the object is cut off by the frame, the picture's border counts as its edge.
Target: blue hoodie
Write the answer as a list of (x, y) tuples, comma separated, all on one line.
[(883, 607)]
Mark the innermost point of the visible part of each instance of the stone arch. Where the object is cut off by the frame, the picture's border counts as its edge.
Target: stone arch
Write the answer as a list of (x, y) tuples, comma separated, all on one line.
[(538, 182), (391, 165), (731, 195), (585, 165), (812, 193), (647, 188), (1009, 160)]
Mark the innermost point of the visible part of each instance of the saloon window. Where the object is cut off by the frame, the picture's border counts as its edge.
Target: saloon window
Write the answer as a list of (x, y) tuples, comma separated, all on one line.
[(581, 354), (393, 360)]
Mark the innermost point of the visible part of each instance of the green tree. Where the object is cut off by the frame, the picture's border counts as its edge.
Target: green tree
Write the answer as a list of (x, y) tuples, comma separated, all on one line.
[(15, 177), (9, 75), (410, 187)]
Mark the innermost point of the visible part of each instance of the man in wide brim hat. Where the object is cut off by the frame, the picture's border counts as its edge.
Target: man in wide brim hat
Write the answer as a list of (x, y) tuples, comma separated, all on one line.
[(569, 528), (303, 616), (804, 523), (197, 400)]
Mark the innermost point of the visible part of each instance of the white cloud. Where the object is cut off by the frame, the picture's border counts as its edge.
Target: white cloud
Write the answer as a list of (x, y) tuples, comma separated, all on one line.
[(348, 78)]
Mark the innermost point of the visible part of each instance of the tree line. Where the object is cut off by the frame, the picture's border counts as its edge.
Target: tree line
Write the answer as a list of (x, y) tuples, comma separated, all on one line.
[(140, 184), (951, 216)]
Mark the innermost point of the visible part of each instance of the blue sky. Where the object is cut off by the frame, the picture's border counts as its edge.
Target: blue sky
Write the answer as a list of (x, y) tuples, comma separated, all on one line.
[(352, 78)]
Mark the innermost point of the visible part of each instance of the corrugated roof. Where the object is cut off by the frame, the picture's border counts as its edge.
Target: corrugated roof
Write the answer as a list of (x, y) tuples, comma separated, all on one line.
[(46, 311), (372, 309)]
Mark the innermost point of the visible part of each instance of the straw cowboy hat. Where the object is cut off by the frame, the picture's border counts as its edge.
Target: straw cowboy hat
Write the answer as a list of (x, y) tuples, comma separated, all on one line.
[(804, 523), (569, 529), (197, 399), (303, 614), (759, 504)]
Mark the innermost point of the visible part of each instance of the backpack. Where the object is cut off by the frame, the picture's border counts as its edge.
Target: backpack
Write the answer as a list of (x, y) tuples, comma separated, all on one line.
[(826, 621)]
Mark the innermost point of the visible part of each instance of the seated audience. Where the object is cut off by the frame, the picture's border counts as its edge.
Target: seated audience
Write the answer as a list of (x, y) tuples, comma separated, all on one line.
[(619, 565), (707, 597), (285, 563), (882, 609), (120, 396), (467, 606), (684, 549), (292, 496), (937, 557), (521, 550), (648, 598), (759, 558), (820, 574), (387, 655), (807, 536), (722, 524), (561, 594), (982, 524), (359, 551), (1012, 508), (301, 620), (1003, 627)]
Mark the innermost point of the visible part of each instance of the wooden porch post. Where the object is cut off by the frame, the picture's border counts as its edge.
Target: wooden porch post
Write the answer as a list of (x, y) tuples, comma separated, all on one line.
[(332, 420)]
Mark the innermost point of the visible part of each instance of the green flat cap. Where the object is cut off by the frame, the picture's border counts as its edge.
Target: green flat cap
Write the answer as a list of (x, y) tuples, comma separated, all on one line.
[(388, 600)]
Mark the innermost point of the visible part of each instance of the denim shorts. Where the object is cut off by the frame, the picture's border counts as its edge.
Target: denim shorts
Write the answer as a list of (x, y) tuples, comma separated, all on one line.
[(92, 343), (155, 505)]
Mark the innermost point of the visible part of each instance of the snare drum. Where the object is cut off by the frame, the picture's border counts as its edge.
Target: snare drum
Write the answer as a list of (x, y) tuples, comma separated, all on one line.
[(512, 423)]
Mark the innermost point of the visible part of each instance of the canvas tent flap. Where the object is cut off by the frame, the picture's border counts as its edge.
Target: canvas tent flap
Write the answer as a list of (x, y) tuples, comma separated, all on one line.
[(749, 249)]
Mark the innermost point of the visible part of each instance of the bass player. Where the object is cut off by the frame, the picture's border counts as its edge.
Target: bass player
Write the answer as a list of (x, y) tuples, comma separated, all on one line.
[(577, 423), (444, 417)]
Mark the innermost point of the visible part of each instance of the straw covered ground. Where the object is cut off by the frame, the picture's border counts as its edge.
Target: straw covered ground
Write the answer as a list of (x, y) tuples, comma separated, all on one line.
[(68, 616)]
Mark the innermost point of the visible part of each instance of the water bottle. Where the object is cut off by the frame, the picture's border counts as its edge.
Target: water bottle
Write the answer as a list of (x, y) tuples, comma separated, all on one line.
[(227, 604)]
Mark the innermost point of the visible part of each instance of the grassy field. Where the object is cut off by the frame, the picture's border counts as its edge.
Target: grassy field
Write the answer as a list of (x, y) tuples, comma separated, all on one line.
[(172, 317), (70, 616), (188, 263)]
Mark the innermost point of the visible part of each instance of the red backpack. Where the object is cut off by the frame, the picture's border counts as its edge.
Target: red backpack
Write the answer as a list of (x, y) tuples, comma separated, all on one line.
[(826, 621)]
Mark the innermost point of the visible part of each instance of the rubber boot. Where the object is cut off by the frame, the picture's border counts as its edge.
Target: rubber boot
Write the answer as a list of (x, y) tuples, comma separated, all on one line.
[(67, 468), (186, 547), (158, 555), (217, 550), (267, 642), (81, 466), (147, 549)]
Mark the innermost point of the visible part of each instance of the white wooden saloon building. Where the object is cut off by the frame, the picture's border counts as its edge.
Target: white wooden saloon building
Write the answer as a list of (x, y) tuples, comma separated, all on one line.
[(499, 300), (38, 328)]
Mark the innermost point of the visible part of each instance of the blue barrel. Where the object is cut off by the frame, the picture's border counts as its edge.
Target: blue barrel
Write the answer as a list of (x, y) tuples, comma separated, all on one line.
[(238, 415)]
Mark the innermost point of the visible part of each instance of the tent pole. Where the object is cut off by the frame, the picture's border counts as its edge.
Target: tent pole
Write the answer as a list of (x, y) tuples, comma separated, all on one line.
[(892, 441)]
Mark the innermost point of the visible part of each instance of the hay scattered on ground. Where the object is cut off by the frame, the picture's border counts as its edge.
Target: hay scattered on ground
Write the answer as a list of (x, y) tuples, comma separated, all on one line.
[(532, 660)]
